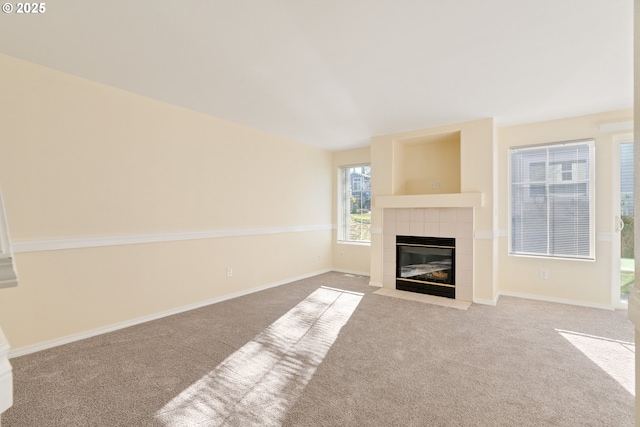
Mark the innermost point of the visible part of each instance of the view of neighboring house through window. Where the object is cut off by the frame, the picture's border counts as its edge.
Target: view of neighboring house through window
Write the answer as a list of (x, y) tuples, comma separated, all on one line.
[(357, 184), (552, 200), (354, 215)]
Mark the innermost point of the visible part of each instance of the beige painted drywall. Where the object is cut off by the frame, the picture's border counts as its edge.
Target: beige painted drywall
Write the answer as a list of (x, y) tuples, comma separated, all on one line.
[(430, 165), (350, 257), (81, 160), (66, 292), (583, 281)]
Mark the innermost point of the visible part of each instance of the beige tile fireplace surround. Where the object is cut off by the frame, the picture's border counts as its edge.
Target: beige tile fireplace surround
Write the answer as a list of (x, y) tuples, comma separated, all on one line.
[(431, 222)]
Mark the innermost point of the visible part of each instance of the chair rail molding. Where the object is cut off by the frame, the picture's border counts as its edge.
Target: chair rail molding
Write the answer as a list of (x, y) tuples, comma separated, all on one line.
[(54, 244)]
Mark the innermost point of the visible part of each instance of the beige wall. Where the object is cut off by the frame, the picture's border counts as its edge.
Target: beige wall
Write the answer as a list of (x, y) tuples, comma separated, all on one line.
[(582, 281), (83, 160), (349, 257), (435, 161)]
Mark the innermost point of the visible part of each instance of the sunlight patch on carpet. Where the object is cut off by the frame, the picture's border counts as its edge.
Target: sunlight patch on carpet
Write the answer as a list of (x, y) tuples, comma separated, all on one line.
[(616, 358), (258, 383)]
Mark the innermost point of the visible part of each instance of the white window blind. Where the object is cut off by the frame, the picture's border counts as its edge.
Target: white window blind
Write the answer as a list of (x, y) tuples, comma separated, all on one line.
[(552, 200)]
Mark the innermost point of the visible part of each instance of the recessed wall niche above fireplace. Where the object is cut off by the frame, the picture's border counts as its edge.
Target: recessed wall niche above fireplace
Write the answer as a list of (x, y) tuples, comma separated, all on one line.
[(426, 265)]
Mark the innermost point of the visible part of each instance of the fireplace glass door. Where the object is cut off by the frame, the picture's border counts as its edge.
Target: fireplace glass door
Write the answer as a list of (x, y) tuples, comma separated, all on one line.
[(426, 265)]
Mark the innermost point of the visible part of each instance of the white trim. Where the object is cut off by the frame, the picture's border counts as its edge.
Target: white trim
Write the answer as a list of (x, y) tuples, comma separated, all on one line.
[(485, 301), (22, 246), (555, 300), (353, 243), (6, 376), (110, 328), (621, 305), (8, 274), (615, 251), (353, 272), (616, 126), (375, 284), (623, 137), (5, 242), (616, 235)]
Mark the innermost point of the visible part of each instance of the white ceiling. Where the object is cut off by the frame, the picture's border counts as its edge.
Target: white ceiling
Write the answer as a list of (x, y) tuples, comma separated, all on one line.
[(333, 73)]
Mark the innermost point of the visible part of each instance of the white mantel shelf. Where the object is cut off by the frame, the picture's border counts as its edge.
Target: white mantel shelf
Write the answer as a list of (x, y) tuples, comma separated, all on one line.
[(457, 200)]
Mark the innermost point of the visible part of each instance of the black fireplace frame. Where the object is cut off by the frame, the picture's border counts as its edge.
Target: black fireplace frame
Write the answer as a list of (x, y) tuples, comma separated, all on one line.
[(423, 286)]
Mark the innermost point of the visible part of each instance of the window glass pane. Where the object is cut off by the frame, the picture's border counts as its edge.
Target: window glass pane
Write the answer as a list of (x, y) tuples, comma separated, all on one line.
[(552, 212), (355, 206)]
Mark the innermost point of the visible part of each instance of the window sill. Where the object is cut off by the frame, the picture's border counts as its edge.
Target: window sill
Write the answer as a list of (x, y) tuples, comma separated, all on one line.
[(347, 242), (516, 255)]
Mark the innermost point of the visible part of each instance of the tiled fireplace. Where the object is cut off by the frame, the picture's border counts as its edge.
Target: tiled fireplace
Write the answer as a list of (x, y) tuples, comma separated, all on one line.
[(454, 223)]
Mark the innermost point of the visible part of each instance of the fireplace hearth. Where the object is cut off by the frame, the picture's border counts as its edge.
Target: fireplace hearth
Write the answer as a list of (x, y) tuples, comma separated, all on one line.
[(426, 265)]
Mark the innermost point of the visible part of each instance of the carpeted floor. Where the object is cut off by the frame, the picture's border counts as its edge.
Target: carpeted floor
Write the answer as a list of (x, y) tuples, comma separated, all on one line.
[(326, 351)]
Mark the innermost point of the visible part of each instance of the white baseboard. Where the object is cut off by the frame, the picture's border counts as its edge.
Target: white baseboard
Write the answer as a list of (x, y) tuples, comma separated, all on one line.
[(94, 332), (555, 300), (354, 272), (485, 301)]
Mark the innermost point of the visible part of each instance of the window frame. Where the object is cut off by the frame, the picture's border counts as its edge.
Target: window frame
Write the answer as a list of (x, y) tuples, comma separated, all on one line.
[(8, 274), (344, 205), (590, 182)]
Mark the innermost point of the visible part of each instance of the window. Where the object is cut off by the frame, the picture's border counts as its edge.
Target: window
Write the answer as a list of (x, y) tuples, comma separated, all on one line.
[(357, 184), (552, 200), (354, 211), (8, 276)]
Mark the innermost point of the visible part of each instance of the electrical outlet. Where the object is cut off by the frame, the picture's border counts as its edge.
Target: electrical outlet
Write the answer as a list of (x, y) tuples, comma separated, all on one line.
[(544, 274), (229, 272)]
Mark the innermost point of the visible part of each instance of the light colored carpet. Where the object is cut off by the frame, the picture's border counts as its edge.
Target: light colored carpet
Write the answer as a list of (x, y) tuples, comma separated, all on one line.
[(327, 351), (424, 298)]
